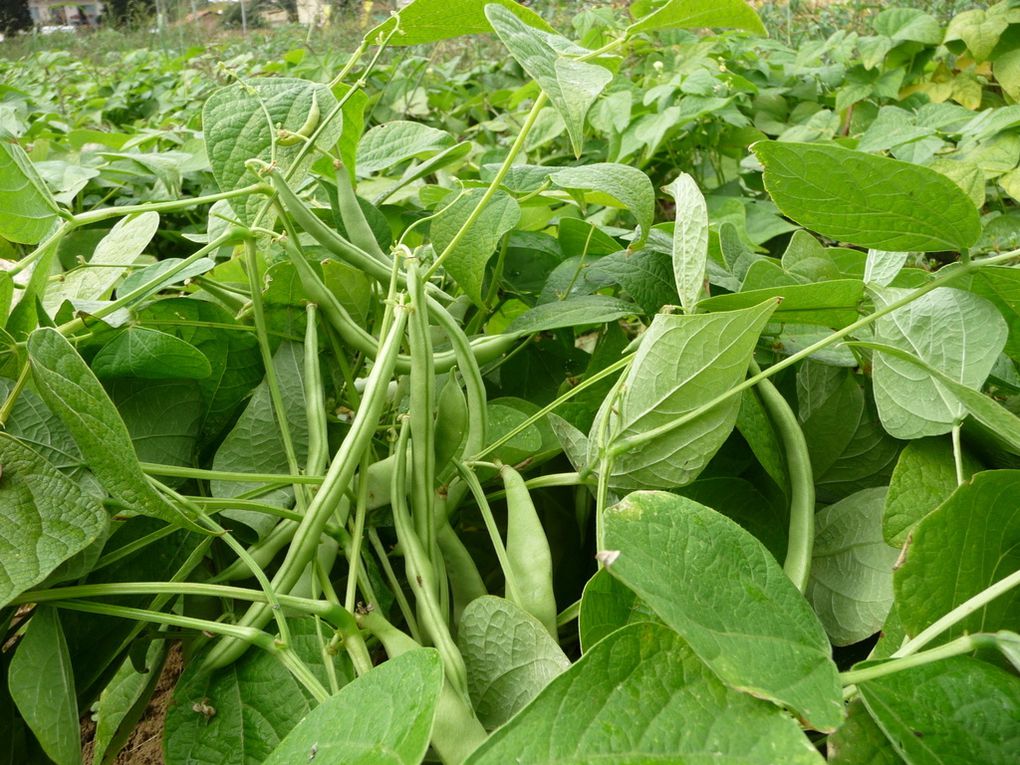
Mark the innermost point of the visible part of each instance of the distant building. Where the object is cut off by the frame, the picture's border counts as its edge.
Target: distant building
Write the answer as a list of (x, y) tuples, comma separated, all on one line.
[(64, 13)]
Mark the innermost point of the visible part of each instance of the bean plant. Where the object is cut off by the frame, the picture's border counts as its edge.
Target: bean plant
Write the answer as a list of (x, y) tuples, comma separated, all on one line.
[(427, 451)]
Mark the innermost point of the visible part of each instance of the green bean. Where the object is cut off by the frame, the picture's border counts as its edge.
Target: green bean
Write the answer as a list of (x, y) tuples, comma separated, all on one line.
[(334, 486), (456, 732), (528, 550), (420, 575), (485, 349), (354, 217), (802, 482), (315, 398), (465, 581), (422, 407)]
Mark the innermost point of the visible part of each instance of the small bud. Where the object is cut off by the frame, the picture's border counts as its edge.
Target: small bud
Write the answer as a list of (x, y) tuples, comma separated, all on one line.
[(607, 557)]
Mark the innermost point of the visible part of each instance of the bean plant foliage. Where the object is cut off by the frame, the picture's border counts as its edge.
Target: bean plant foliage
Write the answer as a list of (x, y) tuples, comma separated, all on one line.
[(647, 396)]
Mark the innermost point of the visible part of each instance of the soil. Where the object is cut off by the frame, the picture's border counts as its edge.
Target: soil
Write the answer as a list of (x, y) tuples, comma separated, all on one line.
[(145, 746)]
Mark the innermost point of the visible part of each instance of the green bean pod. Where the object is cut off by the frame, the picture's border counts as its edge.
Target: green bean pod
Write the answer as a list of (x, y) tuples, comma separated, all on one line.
[(422, 407), (528, 551), (334, 486), (456, 732), (484, 349), (315, 398), (353, 216), (461, 571)]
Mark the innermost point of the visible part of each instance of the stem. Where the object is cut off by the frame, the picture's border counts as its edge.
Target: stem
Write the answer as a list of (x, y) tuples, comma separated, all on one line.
[(802, 483), (958, 614), (96, 216), (12, 397), (201, 474), (962, 645), (958, 455), (515, 149)]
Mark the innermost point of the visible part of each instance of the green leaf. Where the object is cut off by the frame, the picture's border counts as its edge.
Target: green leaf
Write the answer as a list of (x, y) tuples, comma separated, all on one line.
[(385, 716), (606, 606), (466, 262), (576, 311), (238, 715), (117, 250), (33, 424), (233, 355), (692, 14), (29, 209), (868, 200), (151, 355), (999, 285), (46, 518), (42, 686), (255, 444), (552, 61), (510, 657), (391, 143), (953, 331), (163, 418), (123, 701), (622, 702), (690, 240), (622, 184), (156, 270), (70, 389), (978, 29), (425, 21), (980, 524), (851, 587), (882, 267), (902, 24), (646, 276), (241, 122), (829, 304), (727, 596), (682, 363), (959, 710), (924, 477), (860, 741)]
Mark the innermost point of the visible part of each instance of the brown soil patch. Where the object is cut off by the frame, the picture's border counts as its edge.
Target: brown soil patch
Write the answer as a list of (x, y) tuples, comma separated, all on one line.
[(145, 746)]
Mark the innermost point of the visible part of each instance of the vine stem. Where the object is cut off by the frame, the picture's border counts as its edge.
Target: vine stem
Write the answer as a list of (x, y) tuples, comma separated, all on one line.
[(961, 645), (954, 273), (494, 185)]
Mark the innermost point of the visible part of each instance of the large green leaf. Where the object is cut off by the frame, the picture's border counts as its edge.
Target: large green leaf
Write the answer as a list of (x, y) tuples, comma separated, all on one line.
[(606, 606), (645, 275), (868, 200), (162, 417), (114, 253), (232, 351), (682, 363), (466, 261), (391, 143), (851, 587), (70, 389), (255, 445), (29, 209), (553, 62), (425, 21), (383, 717), (692, 14), (639, 696), (860, 741), (510, 657), (150, 354), (980, 525), (34, 425), (727, 596), (622, 184), (690, 240), (577, 311), (42, 685), (238, 715), (828, 304), (959, 710), (924, 477), (1001, 286), (241, 122), (46, 518), (953, 331)]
